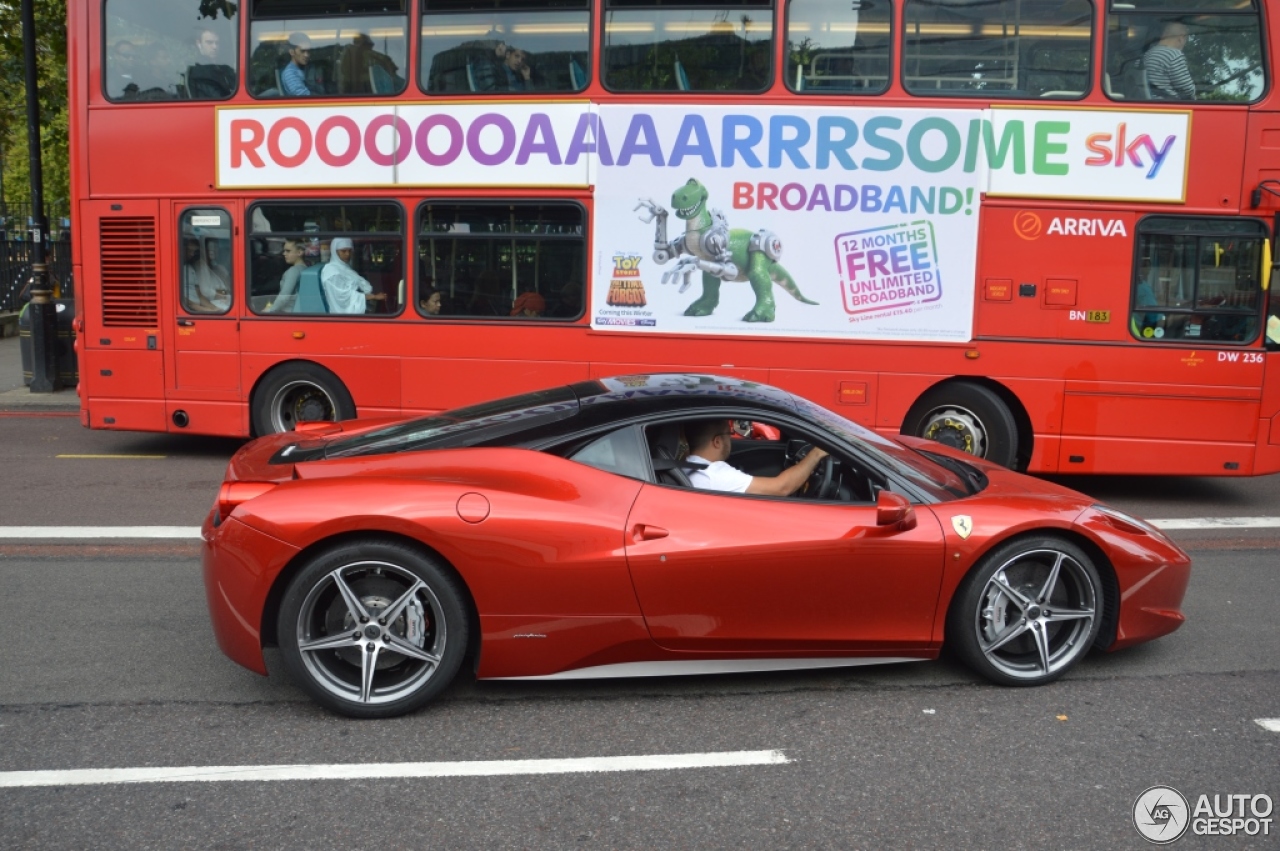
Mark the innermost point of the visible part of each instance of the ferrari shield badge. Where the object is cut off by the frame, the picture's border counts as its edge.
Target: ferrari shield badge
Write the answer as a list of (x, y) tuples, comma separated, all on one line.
[(963, 524)]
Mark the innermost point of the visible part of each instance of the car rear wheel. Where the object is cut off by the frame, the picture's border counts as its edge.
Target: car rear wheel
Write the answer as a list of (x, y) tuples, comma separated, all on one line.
[(1028, 612), (968, 417), (373, 629), (299, 392)]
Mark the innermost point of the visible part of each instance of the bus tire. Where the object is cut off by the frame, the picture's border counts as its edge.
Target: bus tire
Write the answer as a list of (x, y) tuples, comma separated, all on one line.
[(968, 417), (299, 392)]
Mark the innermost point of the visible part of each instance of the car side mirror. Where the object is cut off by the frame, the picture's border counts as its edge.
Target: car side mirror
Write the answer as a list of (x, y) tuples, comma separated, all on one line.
[(892, 509)]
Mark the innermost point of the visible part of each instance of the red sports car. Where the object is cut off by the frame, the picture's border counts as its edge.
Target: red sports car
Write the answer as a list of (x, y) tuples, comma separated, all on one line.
[(557, 535)]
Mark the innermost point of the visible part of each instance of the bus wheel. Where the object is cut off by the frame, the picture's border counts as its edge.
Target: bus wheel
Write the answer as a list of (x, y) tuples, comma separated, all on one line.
[(968, 417), (296, 393)]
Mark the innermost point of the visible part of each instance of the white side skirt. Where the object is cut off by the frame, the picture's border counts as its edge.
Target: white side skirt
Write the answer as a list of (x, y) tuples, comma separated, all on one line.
[(710, 666)]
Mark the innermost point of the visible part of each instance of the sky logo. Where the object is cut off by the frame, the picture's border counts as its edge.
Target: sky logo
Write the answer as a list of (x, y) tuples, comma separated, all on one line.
[(1141, 151)]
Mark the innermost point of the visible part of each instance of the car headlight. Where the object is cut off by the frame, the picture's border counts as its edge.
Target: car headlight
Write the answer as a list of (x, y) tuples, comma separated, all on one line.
[(1136, 523)]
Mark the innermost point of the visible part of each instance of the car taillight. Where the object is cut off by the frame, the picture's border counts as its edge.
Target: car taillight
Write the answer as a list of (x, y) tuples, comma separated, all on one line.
[(231, 494)]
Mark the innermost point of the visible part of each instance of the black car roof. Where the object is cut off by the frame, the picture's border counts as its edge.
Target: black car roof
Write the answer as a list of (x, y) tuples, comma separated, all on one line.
[(627, 396), (557, 410)]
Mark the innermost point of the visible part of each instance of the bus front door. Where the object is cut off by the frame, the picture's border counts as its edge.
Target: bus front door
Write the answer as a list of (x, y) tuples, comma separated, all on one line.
[(205, 394)]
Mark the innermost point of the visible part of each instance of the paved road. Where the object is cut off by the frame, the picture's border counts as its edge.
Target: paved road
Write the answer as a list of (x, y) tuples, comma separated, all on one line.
[(107, 662)]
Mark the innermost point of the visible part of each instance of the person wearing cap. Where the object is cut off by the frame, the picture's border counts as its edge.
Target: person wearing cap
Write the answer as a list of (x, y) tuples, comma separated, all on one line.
[(293, 79), (344, 289), (529, 305)]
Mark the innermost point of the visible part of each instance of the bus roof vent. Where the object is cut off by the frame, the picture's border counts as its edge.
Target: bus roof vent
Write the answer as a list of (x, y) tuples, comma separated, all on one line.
[(129, 271)]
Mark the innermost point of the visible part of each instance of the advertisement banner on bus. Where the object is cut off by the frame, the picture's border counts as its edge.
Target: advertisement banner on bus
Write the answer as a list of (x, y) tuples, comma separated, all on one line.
[(1050, 153), (1087, 154), (508, 144), (854, 223), (858, 223)]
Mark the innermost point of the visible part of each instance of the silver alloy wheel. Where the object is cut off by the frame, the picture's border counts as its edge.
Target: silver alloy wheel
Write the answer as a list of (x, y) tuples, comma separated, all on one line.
[(1036, 613), (957, 427), (371, 633), (300, 401)]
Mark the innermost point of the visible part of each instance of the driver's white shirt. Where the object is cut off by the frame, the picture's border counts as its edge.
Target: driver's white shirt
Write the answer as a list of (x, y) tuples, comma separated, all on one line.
[(718, 476)]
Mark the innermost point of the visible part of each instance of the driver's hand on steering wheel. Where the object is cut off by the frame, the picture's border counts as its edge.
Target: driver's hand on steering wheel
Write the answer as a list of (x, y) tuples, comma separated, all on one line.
[(817, 453)]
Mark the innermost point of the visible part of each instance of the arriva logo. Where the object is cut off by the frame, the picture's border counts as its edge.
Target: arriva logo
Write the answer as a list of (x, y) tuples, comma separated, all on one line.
[(1106, 153), (1028, 225)]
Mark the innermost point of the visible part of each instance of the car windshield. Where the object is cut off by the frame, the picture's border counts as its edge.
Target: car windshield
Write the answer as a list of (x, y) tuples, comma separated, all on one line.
[(921, 471), (515, 413)]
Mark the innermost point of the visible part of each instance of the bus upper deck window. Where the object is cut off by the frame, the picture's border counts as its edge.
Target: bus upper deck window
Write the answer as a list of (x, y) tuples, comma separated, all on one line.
[(505, 47), (1183, 52), (1002, 49), (838, 47), (341, 48), (717, 47), (161, 52)]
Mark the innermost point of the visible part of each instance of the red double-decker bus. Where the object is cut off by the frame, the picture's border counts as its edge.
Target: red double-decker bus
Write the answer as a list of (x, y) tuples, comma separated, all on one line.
[(1039, 230)]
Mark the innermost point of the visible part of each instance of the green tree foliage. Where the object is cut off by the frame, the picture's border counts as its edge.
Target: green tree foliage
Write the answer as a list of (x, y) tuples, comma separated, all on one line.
[(51, 63)]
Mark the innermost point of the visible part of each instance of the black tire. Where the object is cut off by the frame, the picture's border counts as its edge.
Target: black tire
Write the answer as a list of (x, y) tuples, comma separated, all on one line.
[(368, 668), (968, 417), (1004, 626), (299, 392)]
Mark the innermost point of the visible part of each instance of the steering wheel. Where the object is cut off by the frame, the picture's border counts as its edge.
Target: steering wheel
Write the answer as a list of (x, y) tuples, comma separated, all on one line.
[(822, 480)]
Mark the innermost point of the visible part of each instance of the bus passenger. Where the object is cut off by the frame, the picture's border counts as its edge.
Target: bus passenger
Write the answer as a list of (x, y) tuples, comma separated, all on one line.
[(344, 288), (122, 71), (516, 73), (288, 295), (529, 305), (293, 79), (206, 287), (1168, 77), (432, 302), (507, 70), (209, 79)]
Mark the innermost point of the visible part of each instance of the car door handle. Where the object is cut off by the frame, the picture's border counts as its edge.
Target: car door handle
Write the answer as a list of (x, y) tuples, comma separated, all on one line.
[(641, 532), (185, 322)]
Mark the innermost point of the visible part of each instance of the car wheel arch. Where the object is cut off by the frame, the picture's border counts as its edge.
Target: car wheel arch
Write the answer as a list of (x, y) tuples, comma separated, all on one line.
[(275, 597), (1106, 572)]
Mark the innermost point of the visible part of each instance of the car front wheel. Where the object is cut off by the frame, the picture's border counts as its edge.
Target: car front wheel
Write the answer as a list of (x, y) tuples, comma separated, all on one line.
[(1028, 612), (373, 629)]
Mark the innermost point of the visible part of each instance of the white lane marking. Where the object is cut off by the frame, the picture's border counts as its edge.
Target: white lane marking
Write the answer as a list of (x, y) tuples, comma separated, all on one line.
[(1217, 523), (1272, 724), (99, 532), (491, 768)]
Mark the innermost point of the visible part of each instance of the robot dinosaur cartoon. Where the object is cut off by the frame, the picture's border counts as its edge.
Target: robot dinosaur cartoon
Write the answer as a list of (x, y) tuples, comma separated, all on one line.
[(721, 254)]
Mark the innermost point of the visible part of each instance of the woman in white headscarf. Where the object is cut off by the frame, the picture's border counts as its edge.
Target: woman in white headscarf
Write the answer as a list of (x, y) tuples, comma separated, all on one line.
[(344, 289)]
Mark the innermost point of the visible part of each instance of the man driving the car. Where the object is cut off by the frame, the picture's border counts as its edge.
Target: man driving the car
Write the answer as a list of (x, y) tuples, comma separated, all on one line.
[(709, 444)]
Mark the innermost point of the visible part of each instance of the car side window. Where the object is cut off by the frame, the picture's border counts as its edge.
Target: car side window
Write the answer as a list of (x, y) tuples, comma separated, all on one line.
[(618, 452)]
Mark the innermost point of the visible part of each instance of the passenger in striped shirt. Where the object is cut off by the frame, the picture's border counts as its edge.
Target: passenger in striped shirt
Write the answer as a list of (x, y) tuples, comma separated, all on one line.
[(1168, 77)]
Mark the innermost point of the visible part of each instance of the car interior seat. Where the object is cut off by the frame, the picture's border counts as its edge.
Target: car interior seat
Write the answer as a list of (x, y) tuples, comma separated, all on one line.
[(665, 447)]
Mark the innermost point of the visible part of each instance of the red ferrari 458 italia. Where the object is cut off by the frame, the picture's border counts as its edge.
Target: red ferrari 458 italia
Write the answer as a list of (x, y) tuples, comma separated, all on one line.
[(573, 533)]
